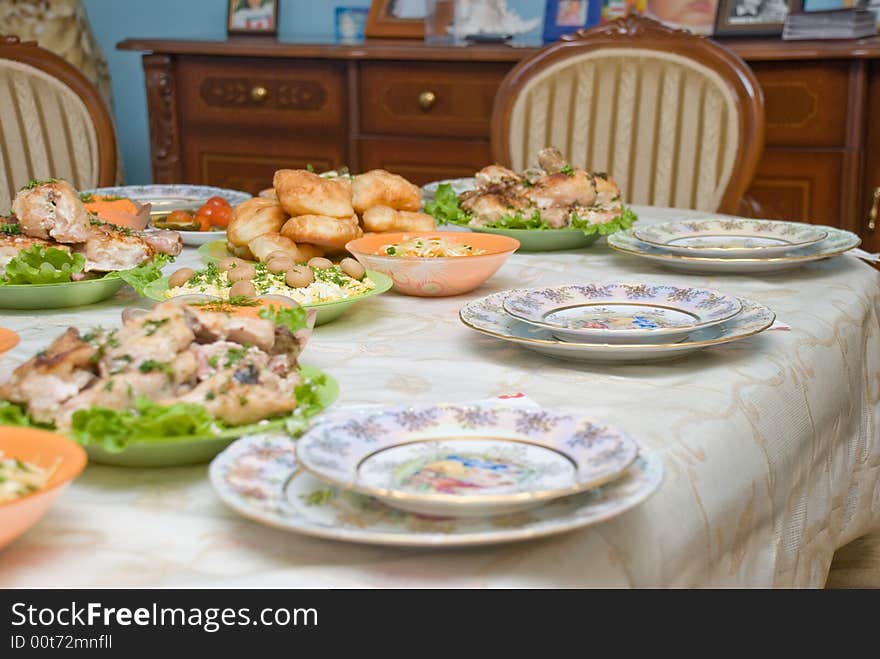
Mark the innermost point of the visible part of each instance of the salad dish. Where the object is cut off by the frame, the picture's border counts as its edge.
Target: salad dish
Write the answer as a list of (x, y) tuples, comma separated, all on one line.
[(34, 467), (54, 253), (434, 264), (259, 477), (320, 284), (187, 373), (553, 206)]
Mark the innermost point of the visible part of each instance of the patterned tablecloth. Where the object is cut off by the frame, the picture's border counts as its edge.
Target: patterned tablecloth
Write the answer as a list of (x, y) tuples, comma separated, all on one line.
[(771, 447)]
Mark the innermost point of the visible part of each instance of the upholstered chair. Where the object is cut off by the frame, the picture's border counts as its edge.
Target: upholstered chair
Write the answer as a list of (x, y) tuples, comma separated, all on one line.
[(53, 122), (675, 119)]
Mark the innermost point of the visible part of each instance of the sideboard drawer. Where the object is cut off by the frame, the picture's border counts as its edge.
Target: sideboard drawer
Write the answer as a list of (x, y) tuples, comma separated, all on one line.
[(262, 93), (449, 158), (805, 103), (445, 99)]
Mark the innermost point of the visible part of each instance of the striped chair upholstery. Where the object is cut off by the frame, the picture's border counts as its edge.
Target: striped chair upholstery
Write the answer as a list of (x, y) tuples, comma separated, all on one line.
[(53, 123), (675, 119)]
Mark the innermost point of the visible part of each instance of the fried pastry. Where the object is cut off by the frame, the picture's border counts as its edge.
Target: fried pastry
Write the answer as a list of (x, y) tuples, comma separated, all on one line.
[(307, 251), (262, 246), (326, 232), (304, 193), (380, 219), (380, 188), (255, 217)]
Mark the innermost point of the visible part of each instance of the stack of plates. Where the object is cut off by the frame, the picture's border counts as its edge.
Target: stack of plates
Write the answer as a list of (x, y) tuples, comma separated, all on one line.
[(439, 475), (616, 322), (733, 245)]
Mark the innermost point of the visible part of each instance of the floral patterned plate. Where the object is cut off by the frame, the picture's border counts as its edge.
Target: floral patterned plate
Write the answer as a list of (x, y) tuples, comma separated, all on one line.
[(487, 316), (837, 242), (730, 237), (464, 460), (258, 477), (621, 313)]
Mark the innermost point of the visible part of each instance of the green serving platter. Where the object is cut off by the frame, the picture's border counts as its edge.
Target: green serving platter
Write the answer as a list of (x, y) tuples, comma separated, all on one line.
[(545, 240), (182, 451), (58, 296), (215, 251)]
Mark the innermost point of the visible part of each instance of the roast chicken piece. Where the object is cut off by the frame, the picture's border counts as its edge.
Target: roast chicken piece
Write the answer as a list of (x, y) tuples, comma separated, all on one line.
[(46, 381), (561, 189), (109, 248), (52, 210)]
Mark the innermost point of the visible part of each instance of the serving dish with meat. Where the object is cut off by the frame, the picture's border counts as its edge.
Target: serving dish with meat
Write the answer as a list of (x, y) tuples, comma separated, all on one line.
[(553, 206), (54, 253), (172, 385)]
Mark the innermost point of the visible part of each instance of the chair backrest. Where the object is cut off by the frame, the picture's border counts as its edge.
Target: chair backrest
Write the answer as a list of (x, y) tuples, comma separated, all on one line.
[(53, 122), (675, 119)]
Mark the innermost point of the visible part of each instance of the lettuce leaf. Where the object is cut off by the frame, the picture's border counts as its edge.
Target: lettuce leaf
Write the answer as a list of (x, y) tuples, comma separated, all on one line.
[(41, 265), (445, 208), (113, 429), (15, 415), (143, 275), (293, 318)]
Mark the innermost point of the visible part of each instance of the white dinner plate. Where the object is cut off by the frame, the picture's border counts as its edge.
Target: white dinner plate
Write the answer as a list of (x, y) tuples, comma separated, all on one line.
[(837, 242), (487, 316), (614, 312), (258, 477), (730, 237), (464, 460)]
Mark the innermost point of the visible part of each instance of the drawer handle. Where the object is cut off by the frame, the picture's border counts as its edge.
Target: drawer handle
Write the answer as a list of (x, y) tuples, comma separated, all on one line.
[(427, 99), (875, 210), (259, 93)]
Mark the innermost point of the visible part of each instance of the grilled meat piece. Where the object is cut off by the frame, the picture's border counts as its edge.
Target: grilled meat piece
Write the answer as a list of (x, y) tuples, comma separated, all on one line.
[(10, 246), (496, 174), (551, 160), (53, 376), (209, 327), (163, 241), (109, 248), (52, 210), (563, 190)]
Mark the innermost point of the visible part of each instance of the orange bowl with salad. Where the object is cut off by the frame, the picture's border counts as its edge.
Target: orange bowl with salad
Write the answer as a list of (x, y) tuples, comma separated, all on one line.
[(434, 264), (35, 465)]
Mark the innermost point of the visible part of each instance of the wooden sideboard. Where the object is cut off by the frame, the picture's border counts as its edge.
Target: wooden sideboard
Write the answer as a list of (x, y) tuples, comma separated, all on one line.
[(230, 113)]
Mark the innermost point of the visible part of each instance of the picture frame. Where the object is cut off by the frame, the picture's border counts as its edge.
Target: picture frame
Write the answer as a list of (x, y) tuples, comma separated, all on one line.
[(396, 19), (740, 18), (253, 17), (563, 17)]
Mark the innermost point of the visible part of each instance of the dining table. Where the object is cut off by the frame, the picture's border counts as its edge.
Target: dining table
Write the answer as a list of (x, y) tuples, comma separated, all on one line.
[(770, 446)]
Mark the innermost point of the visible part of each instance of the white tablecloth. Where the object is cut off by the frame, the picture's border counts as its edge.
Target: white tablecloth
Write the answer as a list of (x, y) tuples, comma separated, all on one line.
[(771, 447)]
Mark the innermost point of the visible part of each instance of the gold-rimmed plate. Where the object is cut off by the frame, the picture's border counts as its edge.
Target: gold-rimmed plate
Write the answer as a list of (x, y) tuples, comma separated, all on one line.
[(259, 478), (487, 316), (838, 242), (465, 460)]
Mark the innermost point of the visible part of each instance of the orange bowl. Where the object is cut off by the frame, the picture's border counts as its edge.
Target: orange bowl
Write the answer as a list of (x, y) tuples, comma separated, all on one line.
[(434, 277), (43, 449)]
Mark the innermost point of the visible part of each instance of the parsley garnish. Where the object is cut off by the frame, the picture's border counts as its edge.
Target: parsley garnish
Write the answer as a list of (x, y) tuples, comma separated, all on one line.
[(150, 365), (34, 183), (152, 326), (567, 170), (10, 228)]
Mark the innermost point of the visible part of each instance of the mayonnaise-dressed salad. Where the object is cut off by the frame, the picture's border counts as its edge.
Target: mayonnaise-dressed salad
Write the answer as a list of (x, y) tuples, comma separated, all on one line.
[(18, 478), (307, 284)]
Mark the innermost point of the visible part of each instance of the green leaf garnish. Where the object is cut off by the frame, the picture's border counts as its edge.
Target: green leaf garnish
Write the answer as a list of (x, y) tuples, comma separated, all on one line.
[(41, 265)]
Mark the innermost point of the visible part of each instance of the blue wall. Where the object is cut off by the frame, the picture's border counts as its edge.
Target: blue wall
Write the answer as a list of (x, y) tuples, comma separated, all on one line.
[(115, 20)]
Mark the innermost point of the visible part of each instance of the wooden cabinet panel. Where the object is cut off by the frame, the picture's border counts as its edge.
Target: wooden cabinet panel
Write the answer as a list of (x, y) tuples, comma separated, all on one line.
[(805, 103), (461, 105), (233, 162), (449, 159), (871, 185), (262, 92), (799, 185)]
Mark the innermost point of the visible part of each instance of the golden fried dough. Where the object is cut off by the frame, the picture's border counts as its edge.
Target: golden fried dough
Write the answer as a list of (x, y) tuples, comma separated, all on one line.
[(240, 252), (303, 193), (262, 246), (379, 219), (307, 252), (380, 188), (326, 232), (254, 217), (268, 193)]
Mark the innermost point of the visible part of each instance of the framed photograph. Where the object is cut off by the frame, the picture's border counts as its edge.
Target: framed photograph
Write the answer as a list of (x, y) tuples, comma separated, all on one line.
[(753, 17), (397, 19), (697, 17), (351, 24), (567, 16), (252, 17)]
